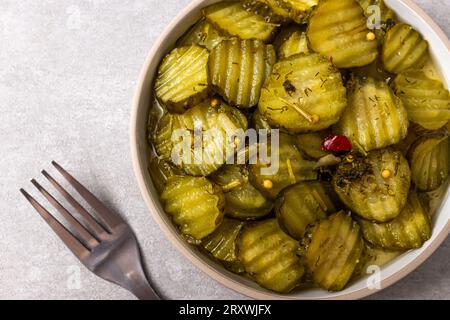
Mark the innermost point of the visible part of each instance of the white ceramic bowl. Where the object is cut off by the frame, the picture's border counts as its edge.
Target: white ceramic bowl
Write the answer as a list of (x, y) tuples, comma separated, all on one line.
[(391, 273)]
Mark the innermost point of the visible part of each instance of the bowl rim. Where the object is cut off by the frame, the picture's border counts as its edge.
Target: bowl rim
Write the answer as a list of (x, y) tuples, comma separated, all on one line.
[(188, 253)]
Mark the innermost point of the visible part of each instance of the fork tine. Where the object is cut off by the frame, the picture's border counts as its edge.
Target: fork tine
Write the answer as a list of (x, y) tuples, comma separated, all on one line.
[(69, 240), (109, 218), (86, 237), (91, 222)]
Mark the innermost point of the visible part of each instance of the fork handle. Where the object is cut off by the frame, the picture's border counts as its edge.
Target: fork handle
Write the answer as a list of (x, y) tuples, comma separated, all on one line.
[(141, 288)]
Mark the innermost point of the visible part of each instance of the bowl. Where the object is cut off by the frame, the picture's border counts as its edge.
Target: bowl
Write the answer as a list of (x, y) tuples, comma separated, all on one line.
[(395, 270)]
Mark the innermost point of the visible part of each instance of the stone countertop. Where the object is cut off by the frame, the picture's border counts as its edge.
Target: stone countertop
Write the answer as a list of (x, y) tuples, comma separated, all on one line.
[(68, 69)]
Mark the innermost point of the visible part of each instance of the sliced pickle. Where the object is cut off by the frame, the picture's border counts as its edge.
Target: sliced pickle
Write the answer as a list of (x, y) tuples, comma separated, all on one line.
[(269, 9), (385, 11), (215, 122), (374, 70), (235, 267), (433, 199), (338, 30), (375, 187), (302, 205), (269, 255), (426, 99), (378, 257), (404, 48), (182, 79), (235, 20), (375, 117), (409, 230), (195, 204), (311, 144), (304, 93), (238, 69), (222, 242), (203, 34), (298, 10), (335, 251), (162, 137), (430, 162), (291, 42), (161, 171), (282, 11), (388, 18), (292, 168), (415, 131), (259, 122), (243, 200)]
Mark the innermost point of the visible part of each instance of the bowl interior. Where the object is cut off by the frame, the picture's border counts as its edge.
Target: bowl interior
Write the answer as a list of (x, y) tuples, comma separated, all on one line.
[(392, 272)]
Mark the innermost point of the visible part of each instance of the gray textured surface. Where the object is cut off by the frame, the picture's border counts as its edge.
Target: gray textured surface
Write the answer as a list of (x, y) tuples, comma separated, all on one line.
[(68, 69)]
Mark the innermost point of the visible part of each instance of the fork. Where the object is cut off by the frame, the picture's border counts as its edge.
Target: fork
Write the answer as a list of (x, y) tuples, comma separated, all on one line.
[(107, 247)]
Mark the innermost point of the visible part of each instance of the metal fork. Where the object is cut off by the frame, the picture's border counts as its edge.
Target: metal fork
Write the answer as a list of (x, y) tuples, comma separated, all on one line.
[(109, 249)]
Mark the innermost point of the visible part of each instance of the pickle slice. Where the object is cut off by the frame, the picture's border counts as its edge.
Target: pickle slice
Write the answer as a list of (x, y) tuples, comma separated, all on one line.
[(388, 18), (302, 205), (311, 144), (338, 29), (374, 70), (404, 48), (195, 205), (238, 69), (433, 199), (430, 162), (243, 200), (334, 252), (269, 9), (426, 99), (282, 11), (161, 171), (415, 131), (375, 187), (385, 11), (292, 41), (203, 34), (298, 10), (260, 123), (269, 255), (217, 124), (375, 117), (222, 242), (235, 20), (409, 230), (304, 93), (182, 79), (292, 168)]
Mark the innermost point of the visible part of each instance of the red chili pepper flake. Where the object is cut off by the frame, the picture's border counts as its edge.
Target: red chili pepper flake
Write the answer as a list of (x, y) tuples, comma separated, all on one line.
[(336, 143)]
